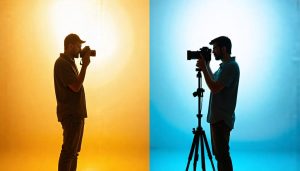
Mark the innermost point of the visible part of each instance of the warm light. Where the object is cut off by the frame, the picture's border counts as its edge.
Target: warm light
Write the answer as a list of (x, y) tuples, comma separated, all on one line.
[(90, 169), (116, 83), (102, 25)]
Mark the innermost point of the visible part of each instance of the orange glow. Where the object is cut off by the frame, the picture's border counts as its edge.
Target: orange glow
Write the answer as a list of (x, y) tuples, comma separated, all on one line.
[(117, 83)]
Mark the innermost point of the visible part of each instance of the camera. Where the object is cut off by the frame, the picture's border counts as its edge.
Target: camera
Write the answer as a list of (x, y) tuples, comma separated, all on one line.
[(86, 49), (204, 51)]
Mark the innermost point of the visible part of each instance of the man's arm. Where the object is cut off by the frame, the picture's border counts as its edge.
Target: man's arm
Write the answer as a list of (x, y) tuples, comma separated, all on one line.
[(76, 86), (209, 69), (213, 85)]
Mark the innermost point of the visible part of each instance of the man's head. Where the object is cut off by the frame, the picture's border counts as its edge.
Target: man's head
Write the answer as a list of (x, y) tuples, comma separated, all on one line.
[(72, 44), (221, 47)]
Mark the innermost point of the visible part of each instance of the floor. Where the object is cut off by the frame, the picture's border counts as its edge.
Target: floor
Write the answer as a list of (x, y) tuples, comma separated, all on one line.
[(242, 161), (161, 160), (87, 162)]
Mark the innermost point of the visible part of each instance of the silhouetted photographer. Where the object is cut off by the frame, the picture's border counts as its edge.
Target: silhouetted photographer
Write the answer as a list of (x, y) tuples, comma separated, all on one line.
[(70, 97), (224, 89)]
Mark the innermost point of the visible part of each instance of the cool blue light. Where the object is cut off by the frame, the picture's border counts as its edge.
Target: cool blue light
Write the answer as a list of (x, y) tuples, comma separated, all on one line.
[(266, 45)]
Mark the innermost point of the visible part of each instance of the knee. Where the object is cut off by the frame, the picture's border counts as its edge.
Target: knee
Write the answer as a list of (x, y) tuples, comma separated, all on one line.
[(222, 156), (68, 153)]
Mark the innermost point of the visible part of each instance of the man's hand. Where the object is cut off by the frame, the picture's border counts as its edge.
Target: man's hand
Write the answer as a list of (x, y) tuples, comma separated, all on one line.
[(76, 86), (201, 63), (86, 59)]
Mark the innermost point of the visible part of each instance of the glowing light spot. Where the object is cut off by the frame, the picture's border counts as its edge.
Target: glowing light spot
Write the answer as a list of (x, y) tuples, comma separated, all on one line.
[(103, 26)]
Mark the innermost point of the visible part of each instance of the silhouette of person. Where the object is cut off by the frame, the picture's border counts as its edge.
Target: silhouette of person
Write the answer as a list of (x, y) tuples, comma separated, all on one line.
[(70, 97), (224, 89)]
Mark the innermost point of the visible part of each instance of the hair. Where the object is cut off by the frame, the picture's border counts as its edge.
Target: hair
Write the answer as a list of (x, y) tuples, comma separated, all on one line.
[(72, 39), (222, 41)]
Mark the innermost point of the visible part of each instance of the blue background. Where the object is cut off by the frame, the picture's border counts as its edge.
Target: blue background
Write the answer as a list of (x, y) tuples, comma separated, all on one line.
[(266, 43)]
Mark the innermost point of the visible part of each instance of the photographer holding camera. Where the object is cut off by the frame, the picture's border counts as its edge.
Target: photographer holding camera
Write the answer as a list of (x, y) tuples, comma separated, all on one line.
[(70, 97), (224, 88)]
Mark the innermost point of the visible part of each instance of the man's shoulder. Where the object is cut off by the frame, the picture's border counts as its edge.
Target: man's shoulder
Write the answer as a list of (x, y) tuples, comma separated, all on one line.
[(231, 68), (232, 65), (61, 62)]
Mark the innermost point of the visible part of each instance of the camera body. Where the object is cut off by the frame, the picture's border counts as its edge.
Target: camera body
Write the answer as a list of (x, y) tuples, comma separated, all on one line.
[(204, 51), (86, 49)]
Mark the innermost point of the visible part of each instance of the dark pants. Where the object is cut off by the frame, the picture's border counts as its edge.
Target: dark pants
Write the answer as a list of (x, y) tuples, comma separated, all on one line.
[(220, 135), (72, 137)]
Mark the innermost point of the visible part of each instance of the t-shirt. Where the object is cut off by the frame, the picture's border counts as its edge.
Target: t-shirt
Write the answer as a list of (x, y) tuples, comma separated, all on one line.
[(222, 104), (69, 103)]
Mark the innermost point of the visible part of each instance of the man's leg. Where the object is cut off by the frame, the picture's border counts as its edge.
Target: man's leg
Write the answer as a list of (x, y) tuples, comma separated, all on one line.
[(72, 134), (220, 135), (74, 163)]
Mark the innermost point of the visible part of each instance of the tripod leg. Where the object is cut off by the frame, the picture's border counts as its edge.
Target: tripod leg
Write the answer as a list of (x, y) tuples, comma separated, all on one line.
[(191, 152), (202, 151), (208, 151), (196, 150)]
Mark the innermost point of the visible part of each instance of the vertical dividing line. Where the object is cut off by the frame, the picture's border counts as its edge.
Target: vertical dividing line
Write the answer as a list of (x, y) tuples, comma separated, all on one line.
[(101, 26), (297, 103)]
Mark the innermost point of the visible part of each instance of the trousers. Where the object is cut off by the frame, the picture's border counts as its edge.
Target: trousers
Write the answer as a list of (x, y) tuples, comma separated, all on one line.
[(220, 135), (72, 140)]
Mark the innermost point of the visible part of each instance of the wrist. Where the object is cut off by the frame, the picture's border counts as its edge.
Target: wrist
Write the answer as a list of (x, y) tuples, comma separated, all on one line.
[(84, 67), (204, 66)]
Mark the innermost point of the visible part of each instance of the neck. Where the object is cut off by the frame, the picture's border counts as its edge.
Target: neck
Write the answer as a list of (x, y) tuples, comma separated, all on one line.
[(68, 54), (226, 58)]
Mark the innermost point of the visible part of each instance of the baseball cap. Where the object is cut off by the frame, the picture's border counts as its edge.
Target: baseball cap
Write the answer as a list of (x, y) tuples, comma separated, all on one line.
[(72, 38)]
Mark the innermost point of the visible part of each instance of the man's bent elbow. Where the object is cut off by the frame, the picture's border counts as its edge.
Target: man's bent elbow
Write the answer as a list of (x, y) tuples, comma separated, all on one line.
[(215, 91), (75, 88), (216, 88)]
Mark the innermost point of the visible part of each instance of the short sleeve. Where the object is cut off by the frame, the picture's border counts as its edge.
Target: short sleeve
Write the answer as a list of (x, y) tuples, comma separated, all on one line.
[(65, 73), (228, 74)]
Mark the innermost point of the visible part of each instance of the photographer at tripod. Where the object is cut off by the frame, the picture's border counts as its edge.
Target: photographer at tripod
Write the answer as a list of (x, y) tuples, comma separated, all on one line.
[(224, 88)]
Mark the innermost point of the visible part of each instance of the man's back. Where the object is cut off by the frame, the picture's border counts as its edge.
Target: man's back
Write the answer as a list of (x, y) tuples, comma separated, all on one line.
[(69, 103)]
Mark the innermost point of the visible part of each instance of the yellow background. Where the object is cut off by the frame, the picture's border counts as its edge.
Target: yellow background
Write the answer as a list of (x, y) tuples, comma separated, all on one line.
[(117, 84)]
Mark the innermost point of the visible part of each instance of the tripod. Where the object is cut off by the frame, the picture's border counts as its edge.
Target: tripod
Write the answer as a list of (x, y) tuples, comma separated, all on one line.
[(199, 134)]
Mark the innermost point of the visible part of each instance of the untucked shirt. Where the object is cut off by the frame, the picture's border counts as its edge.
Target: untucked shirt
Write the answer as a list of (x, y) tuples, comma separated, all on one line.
[(222, 104), (69, 103)]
